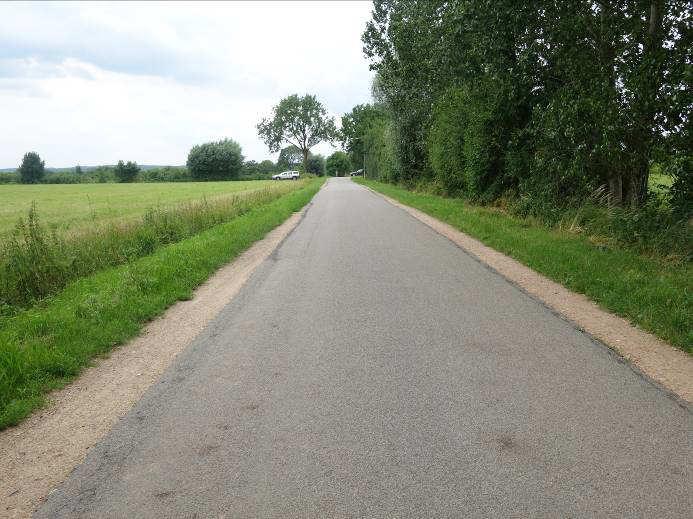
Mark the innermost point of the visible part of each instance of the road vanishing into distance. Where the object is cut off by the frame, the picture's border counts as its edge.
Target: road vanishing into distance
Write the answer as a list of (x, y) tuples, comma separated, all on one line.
[(371, 368)]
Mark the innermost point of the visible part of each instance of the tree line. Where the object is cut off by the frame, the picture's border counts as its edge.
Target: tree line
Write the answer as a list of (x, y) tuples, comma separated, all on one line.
[(543, 102), (221, 160)]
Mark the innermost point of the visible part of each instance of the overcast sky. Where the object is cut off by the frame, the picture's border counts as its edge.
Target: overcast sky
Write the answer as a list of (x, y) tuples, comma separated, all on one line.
[(92, 83)]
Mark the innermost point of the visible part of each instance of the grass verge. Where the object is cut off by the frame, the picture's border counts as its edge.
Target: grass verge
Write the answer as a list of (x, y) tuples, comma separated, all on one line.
[(45, 347), (652, 293)]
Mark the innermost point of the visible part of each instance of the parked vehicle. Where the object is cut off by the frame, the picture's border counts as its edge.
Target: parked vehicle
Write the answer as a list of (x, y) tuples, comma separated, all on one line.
[(286, 175), (357, 173)]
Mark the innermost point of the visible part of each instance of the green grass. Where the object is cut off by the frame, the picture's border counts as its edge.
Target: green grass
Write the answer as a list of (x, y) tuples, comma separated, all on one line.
[(64, 206), (36, 262), (650, 292), (46, 346)]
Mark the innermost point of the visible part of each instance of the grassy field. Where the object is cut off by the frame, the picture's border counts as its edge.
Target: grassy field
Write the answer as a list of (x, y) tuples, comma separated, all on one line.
[(36, 261), (46, 346), (71, 206), (652, 293)]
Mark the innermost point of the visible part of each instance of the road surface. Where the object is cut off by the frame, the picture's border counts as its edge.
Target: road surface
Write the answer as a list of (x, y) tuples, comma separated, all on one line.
[(371, 368)]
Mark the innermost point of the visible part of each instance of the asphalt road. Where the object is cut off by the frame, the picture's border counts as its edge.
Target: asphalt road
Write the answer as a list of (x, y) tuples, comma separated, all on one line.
[(371, 368)]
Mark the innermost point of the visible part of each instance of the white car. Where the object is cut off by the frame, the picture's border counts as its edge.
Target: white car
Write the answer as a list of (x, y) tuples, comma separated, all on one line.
[(286, 175)]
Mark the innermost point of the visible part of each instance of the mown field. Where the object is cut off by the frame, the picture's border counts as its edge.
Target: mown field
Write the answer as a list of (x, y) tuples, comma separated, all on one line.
[(68, 296), (69, 206)]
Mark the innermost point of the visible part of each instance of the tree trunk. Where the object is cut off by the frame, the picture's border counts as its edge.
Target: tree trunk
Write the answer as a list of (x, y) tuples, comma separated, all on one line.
[(645, 107), (616, 189), (305, 152)]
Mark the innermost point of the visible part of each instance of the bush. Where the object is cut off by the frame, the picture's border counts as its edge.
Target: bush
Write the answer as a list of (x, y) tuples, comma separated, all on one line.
[(32, 168), (215, 160), (165, 174)]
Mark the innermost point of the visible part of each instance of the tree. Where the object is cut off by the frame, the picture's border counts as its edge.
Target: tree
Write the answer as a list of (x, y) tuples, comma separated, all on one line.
[(267, 166), (78, 169), (316, 165), (561, 98), (355, 125), (32, 169), (290, 157), (338, 164), (300, 121), (126, 172), (220, 160)]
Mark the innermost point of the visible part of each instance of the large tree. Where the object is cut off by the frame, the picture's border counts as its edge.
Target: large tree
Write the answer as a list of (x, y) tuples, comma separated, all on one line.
[(338, 164), (126, 172), (299, 121), (316, 165), (221, 160), (355, 126), (552, 100), (32, 169), (290, 157)]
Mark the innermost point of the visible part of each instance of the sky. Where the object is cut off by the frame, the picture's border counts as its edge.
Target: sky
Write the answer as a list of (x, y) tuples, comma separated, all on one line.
[(94, 83)]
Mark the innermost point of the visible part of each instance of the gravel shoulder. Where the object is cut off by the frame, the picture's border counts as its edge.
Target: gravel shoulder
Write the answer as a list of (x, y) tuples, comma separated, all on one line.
[(40, 453)]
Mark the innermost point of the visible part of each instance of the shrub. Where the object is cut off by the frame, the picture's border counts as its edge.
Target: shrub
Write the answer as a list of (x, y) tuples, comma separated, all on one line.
[(165, 174), (215, 160)]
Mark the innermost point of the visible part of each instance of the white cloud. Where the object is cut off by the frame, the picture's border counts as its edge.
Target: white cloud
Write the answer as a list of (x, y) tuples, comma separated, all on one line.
[(94, 83)]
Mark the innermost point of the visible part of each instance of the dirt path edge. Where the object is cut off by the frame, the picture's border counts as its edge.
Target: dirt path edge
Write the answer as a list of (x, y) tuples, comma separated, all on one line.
[(38, 454), (670, 368)]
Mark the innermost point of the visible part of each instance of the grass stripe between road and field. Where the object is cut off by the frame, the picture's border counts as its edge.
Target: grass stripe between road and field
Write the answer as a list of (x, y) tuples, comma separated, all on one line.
[(652, 293), (45, 347)]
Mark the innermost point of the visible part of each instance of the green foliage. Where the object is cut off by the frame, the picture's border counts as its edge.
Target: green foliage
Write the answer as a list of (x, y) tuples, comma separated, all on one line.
[(355, 125), (299, 121), (547, 100), (220, 160), (165, 174), (126, 172), (9, 178), (316, 165), (32, 169), (290, 157), (681, 192), (649, 292), (45, 347), (446, 141), (338, 164), (382, 161)]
